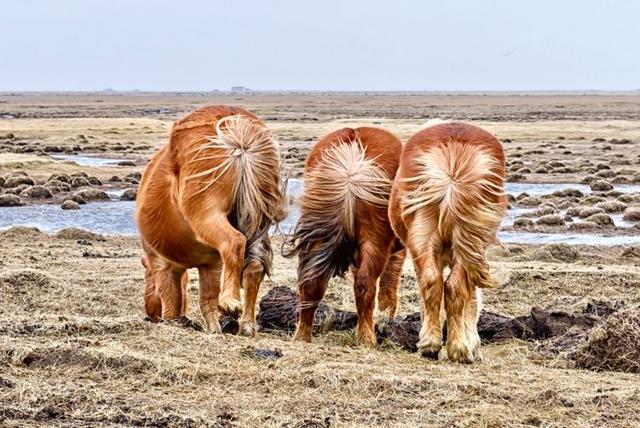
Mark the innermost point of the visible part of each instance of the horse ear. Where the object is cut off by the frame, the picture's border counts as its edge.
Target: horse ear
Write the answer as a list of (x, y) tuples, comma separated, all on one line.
[(145, 262)]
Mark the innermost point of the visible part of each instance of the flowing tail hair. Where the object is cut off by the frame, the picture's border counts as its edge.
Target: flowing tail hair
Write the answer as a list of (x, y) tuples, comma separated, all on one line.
[(455, 199), (248, 149), (324, 237)]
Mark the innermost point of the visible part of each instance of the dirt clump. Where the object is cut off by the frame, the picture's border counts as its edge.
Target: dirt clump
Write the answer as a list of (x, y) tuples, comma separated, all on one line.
[(77, 233), (556, 252), (614, 344)]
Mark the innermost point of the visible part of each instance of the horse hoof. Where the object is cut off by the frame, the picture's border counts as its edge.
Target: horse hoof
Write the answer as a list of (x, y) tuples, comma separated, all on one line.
[(214, 328), (189, 323), (247, 329), (460, 354), (429, 348), (301, 338), (367, 340)]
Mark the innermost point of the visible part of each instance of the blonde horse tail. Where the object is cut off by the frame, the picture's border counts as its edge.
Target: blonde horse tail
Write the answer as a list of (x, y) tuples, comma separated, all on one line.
[(456, 191)]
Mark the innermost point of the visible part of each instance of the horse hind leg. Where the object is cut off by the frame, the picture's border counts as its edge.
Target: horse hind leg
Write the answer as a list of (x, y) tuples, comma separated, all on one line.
[(371, 263), (390, 280), (457, 298), (471, 315), (259, 254)]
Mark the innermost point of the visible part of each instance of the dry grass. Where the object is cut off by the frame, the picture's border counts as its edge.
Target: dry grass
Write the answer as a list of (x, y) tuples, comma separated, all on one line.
[(76, 351), (614, 345)]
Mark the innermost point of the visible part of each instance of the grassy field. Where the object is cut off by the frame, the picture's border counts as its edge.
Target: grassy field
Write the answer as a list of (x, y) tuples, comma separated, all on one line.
[(75, 349)]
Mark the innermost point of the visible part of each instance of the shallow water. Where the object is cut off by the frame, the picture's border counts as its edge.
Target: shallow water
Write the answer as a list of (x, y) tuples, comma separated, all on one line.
[(513, 237), (116, 218), (547, 188), (88, 160)]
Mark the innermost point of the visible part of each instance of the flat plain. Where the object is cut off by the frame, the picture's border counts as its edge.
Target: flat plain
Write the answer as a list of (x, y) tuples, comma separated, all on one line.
[(75, 349)]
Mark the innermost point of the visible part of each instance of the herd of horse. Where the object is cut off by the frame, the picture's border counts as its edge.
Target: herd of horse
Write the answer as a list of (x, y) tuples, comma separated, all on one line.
[(208, 199)]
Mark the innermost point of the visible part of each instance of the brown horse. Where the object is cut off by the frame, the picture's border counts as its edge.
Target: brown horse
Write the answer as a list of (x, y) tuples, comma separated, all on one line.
[(446, 206), (343, 223), (207, 200)]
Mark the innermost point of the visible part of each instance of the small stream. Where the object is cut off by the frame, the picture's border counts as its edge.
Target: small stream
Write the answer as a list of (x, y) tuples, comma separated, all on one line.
[(88, 160), (116, 217)]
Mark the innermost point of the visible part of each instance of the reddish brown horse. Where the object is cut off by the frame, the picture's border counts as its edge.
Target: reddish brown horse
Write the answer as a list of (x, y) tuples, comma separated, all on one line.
[(446, 206), (344, 223), (207, 200)]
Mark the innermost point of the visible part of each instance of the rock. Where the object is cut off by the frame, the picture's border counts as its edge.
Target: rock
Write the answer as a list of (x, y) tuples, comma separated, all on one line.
[(601, 186), (10, 201), (53, 149), (572, 192), (585, 225), (37, 192), (70, 205), (621, 179), (574, 211), (17, 180), (612, 206), (551, 220), (530, 201), (1, 182), (79, 182), (545, 210), (129, 195), (588, 212), (75, 198), (632, 251), (95, 181), (64, 178), (136, 175), (80, 174), (91, 194), (515, 177), (632, 214), (126, 163), (601, 219), (606, 173), (131, 180), (522, 223), (593, 199), (115, 179), (77, 233), (563, 252)]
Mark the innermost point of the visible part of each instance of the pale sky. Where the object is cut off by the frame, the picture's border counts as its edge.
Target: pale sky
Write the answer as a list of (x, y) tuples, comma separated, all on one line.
[(320, 45)]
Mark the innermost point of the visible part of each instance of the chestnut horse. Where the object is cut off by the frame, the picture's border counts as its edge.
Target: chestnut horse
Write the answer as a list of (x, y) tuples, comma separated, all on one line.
[(207, 200), (343, 223), (446, 206)]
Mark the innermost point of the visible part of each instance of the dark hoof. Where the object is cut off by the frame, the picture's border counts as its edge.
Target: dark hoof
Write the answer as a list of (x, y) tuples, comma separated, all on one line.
[(152, 319), (431, 354), (229, 324), (183, 321)]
